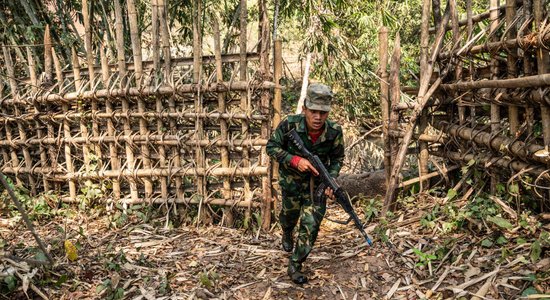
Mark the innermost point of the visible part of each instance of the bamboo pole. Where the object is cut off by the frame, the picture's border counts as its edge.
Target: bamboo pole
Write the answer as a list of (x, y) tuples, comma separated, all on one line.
[(506, 145), (130, 160), (495, 109), (5, 156), (22, 131), (423, 124), (543, 67), (244, 97), (424, 94), (60, 174), (155, 35), (264, 49), (119, 32), (165, 38), (199, 125), (470, 30), (384, 97), (188, 201), (156, 139), (113, 153), (511, 59), (534, 81), (66, 129), (39, 133), (80, 108), (485, 160), (476, 18), (224, 151), (135, 37), (277, 100), (48, 68), (395, 96), (527, 63)]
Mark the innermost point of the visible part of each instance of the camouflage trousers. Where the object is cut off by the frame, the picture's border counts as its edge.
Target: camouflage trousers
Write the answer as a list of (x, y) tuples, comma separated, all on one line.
[(297, 204)]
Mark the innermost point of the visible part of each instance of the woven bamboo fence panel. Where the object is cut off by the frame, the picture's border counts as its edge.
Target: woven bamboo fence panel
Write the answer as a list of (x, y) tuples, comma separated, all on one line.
[(482, 97), (160, 130)]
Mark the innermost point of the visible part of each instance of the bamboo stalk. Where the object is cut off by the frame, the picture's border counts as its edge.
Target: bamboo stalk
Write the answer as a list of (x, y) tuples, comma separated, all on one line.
[(224, 152), (254, 170), (264, 47), (119, 30), (503, 162), (155, 139), (395, 96), (244, 96), (534, 81), (426, 177), (423, 124), (155, 35), (39, 133), (511, 58), (528, 64), (543, 67), (135, 37), (384, 97), (80, 108), (475, 19), (22, 133), (500, 143), (277, 100), (113, 153), (221, 202), (165, 36), (48, 68), (495, 109), (199, 125), (66, 130)]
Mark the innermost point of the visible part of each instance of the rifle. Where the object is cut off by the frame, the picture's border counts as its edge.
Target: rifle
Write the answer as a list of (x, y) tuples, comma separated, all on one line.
[(327, 181)]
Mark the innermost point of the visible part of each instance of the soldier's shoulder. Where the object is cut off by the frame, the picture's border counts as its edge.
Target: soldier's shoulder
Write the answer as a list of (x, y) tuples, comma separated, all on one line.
[(334, 126), (294, 118)]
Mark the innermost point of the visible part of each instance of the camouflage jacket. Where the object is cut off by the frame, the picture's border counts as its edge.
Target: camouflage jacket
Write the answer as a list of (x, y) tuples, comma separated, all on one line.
[(329, 146)]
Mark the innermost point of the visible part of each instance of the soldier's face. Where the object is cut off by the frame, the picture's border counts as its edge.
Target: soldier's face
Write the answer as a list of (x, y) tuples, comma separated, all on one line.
[(315, 119)]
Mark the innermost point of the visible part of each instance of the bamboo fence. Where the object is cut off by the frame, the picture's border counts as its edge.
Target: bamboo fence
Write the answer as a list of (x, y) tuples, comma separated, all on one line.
[(156, 129), (483, 96)]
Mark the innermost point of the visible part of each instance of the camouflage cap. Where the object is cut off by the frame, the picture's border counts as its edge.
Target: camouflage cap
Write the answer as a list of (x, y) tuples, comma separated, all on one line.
[(318, 97)]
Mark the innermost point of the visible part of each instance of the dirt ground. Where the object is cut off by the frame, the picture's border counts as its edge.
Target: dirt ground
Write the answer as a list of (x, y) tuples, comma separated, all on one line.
[(142, 261)]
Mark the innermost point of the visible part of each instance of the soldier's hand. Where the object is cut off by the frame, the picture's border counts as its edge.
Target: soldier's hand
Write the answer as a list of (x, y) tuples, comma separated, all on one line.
[(305, 166), (329, 193)]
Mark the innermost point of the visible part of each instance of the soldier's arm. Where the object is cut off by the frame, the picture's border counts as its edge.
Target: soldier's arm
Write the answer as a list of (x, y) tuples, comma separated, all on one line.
[(276, 145)]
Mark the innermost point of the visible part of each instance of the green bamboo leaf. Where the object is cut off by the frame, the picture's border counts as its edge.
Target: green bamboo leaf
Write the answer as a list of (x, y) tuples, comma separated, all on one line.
[(500, 222)]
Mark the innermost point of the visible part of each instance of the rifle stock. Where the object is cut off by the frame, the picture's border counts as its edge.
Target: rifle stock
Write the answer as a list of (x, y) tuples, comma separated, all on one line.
[(328, 182)]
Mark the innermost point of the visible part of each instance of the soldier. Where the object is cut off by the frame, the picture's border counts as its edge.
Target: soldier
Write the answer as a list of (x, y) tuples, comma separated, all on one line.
[(297, 176)]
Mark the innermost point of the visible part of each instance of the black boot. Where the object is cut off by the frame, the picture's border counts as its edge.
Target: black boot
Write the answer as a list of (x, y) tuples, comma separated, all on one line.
[(288, 242), (295, 272)]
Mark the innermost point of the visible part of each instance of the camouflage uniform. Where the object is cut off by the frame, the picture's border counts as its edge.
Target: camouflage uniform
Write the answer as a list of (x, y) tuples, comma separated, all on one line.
[(295, 186)]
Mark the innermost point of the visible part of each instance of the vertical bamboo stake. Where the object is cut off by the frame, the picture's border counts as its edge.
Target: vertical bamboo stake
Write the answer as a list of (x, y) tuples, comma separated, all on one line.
[(125, 105), (155, 35), (22, 133), (199, 126), (511, 59), (66, 128), (136, 40), (91, 73), (543, 63), (458, 65), (423, 124), (48, 69), (159, 107), (80, 108), (113, 153), (264, 109), (244, 100), (395, 95), (226, 191), (165, 37), (277, 100), (495, 109), (119, 31), (39, 133), (470, 29), (384, 97), (528, 64), (13, 154)]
